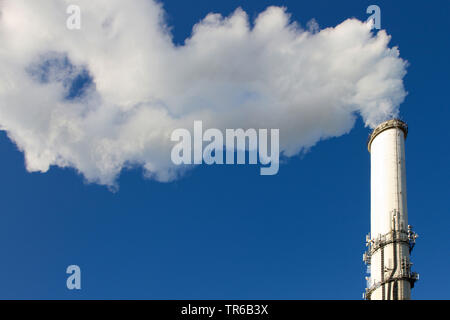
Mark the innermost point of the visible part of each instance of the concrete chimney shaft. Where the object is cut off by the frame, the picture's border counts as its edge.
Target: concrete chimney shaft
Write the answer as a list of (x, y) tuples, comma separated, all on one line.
[(391, 239)]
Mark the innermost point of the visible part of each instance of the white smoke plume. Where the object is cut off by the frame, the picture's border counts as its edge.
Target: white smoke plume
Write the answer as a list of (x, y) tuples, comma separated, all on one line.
[(312, 84)]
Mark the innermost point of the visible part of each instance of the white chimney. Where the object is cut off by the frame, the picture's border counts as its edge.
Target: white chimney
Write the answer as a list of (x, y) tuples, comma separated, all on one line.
[(391, 239)]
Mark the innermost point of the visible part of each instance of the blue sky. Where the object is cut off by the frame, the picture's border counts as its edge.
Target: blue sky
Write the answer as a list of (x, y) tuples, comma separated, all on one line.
[(225, 232)]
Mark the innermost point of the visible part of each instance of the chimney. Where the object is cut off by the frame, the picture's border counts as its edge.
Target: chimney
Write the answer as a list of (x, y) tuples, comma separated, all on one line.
[(391, 239)]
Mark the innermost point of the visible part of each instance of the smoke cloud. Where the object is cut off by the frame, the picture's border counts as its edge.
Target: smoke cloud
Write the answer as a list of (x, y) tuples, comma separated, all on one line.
[(109, 95)]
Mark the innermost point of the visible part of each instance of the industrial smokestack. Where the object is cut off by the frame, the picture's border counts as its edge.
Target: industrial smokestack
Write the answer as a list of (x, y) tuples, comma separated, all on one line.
[(391, 239)]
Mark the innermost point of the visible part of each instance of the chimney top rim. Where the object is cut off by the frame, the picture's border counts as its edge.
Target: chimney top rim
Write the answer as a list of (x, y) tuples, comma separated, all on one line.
[(389, 124)]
